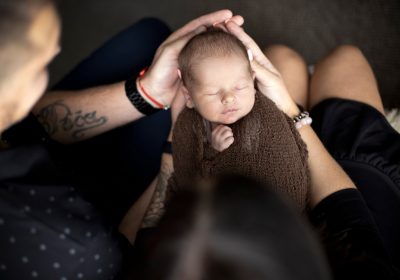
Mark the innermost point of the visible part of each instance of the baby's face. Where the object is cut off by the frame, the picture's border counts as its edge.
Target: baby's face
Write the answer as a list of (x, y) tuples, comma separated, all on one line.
[(223, 91)]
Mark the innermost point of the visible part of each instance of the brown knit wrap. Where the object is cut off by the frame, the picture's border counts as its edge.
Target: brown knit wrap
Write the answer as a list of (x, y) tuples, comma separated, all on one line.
[(267, 147)]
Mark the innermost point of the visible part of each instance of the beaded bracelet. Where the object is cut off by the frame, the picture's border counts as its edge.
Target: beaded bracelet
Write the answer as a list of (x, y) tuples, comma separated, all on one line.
[(302, 119)]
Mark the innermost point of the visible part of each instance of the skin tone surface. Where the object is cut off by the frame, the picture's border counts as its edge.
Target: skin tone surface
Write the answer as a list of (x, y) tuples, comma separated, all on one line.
[(327, 176), (222, 93), (93, 111), (18, 95)]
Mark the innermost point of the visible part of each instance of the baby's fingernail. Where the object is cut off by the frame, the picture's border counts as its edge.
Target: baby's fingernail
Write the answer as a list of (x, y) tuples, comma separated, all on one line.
[(179, 73), (250, 54)]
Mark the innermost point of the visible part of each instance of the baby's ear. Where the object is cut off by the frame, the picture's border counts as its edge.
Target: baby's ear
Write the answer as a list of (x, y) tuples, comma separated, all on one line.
[(189, 101)]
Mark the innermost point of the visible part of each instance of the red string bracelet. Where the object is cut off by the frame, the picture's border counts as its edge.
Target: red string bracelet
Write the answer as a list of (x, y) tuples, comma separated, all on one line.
[(147, 95)]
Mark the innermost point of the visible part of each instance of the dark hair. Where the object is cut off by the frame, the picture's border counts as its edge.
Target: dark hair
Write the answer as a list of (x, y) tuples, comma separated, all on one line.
[(234, 228), (212, 43), (16, 17)]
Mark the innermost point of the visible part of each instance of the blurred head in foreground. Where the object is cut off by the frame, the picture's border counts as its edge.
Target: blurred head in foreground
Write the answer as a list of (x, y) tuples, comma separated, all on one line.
[(234, 228), (29, 40)]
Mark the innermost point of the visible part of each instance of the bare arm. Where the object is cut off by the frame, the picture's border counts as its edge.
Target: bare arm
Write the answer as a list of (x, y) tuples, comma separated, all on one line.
[(327, 176), (150, 207), (161, 195), (70, 116)]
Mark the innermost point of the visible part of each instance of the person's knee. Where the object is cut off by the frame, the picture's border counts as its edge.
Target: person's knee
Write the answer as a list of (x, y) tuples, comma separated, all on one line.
[(347, 53), (283, 52)]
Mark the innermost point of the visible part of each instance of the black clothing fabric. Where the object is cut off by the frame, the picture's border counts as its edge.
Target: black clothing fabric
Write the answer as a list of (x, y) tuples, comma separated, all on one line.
[(351, 238), (47, 230), (126, 158), (358, 228), (368, 148)]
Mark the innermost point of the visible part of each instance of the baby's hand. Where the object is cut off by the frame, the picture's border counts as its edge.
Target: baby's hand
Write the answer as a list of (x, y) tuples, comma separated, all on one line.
[(221, 137)]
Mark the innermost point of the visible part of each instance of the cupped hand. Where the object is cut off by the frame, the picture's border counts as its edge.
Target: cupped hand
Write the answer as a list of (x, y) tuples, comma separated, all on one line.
[(161, 79), (222, 138), (268, 79)]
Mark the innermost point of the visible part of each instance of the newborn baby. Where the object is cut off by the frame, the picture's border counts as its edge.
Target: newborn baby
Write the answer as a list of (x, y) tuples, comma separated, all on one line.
[(229, 127)]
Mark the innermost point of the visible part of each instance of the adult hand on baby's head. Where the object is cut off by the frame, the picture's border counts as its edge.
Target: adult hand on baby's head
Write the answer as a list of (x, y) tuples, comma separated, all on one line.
[(221, 138), (269, 80), (161, 79)]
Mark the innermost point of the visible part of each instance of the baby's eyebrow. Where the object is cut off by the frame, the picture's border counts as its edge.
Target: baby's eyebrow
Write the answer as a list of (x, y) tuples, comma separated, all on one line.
[(209, 90), (242, 80)]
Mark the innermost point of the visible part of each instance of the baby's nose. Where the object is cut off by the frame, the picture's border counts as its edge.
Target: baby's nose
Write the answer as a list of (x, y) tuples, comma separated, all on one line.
[(228, 98)]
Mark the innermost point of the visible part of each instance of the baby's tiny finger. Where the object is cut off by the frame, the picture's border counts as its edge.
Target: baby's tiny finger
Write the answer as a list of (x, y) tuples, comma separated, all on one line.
[(227, 133), (218, 129), (229, 141)]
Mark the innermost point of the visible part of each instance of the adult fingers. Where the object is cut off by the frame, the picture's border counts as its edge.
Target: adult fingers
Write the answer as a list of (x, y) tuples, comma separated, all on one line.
[(205, 20), (237, 19), (250, 44), (221, 26), (176, 46), (170, 51), (263, 75), (202, 22)]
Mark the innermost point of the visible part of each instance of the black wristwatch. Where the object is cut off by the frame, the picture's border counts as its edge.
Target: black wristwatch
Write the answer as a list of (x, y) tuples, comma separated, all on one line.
[(167, 147), (136, 98)]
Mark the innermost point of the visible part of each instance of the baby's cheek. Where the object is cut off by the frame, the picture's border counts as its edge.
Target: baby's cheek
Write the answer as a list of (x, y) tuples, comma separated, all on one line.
[(250, 100)]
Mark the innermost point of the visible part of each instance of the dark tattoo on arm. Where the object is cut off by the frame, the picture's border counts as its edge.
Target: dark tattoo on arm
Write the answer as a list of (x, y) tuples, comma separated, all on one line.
[(162, 194), (58, 117)]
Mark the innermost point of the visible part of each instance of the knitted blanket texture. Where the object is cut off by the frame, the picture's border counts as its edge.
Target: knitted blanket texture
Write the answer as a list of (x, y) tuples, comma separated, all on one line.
[(267, 147)]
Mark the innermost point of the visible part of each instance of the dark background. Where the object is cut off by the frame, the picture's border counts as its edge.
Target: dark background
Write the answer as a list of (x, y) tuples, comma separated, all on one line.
[(312, 27)]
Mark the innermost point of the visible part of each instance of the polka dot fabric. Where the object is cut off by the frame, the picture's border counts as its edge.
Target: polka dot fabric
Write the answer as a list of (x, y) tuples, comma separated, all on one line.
[(52, 233)]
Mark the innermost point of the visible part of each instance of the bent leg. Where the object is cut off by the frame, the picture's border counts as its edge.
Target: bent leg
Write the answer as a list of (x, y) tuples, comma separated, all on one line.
[(293, 70), (347, 114), (345, 73)]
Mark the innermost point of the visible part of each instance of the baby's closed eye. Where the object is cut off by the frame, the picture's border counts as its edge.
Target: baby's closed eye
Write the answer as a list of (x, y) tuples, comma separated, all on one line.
[(212, 94), (241, 87)]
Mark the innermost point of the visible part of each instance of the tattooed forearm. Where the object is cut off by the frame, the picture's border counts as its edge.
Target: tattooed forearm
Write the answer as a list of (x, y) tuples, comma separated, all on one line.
[(161, 196), (58, 117)]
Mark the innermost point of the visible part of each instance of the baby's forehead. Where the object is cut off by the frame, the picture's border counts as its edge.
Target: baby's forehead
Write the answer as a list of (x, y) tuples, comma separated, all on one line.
[(206, 62), (211, 75)]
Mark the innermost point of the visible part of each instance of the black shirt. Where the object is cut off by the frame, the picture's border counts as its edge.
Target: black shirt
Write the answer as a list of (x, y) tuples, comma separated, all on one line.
[(47, 229), (351, 238)]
